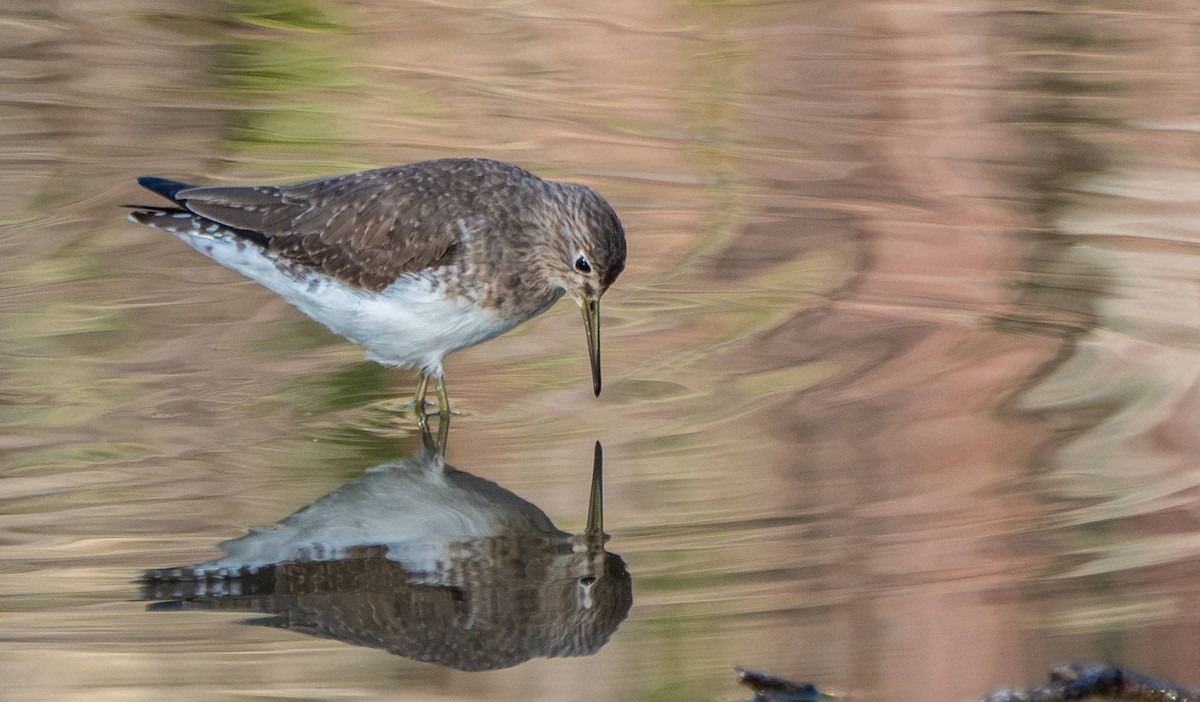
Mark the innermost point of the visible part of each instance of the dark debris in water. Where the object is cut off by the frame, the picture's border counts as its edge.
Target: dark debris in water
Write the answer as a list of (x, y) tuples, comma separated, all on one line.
[(771, 689), (1078, 681), (1072, 681)]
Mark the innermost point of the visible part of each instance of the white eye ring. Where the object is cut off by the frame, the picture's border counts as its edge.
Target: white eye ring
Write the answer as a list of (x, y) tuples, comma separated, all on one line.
[(582, 265)]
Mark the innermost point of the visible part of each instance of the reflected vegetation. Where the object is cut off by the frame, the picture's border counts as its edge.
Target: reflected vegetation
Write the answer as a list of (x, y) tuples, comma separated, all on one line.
[(425, 561)]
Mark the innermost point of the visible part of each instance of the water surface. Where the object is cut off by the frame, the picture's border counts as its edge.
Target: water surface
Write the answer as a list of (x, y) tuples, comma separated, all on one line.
[(901, 378)]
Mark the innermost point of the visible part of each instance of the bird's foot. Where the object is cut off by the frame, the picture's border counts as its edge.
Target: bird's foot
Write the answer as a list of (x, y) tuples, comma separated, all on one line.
[(421, 409), (411, 408)]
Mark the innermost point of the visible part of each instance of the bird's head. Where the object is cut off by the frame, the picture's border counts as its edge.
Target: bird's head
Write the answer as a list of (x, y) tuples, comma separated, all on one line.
[(588, 259)]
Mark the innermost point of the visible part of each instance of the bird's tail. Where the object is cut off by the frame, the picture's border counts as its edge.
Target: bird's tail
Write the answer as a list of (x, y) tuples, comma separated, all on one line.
[(193, 582), (173, 219)]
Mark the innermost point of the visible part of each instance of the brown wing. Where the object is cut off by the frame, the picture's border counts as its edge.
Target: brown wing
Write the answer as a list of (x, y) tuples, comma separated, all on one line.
[(366, 228)]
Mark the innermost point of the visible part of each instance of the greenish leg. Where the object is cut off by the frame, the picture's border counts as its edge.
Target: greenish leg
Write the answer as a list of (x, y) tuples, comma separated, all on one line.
[(443, 399), (443, 435), (419, 397)]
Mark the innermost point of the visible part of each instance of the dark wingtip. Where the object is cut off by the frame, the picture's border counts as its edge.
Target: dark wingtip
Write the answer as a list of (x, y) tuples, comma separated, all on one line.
[(162, 186)]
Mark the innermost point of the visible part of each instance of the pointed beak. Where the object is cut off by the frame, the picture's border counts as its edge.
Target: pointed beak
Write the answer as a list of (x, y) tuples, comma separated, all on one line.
[(591, 323), (595, 518)]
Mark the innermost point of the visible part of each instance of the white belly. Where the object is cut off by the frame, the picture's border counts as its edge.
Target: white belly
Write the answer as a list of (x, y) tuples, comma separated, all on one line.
[(407, 324)]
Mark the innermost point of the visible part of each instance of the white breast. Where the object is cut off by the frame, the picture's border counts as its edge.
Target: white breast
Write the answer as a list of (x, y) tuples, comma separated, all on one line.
[(407, 324)]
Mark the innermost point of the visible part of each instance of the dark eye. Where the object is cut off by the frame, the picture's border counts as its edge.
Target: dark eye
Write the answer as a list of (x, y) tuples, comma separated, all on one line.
[(582, 265)]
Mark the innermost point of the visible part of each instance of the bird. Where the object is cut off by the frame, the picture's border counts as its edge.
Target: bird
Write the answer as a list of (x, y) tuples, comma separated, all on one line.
[(411, 262), (424, 560)]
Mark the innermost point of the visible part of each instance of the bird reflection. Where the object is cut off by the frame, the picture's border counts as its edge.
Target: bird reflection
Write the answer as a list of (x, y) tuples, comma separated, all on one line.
[(423, 560)]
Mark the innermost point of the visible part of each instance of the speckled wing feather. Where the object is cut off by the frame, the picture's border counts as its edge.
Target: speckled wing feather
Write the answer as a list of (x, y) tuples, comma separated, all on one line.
[(367, 228)]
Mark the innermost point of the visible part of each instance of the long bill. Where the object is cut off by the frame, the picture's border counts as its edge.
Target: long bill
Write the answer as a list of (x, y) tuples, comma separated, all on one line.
[(591, 323), (595, 517)]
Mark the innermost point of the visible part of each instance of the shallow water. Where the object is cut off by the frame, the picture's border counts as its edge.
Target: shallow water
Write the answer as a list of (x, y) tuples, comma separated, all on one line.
[(902, 378)]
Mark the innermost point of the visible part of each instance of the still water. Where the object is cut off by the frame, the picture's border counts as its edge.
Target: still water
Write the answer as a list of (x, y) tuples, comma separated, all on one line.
[(902, 378)]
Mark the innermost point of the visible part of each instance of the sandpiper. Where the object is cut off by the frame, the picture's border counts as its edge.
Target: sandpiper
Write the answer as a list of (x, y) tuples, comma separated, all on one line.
[(411, 262)]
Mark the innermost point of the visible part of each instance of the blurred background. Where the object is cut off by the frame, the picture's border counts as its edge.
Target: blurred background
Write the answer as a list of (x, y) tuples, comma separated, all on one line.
[(902, 378)]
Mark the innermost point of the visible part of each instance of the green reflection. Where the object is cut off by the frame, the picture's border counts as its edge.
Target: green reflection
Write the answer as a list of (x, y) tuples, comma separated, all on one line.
[(283, 14), (288, 68)]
